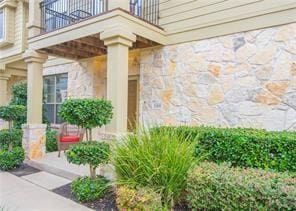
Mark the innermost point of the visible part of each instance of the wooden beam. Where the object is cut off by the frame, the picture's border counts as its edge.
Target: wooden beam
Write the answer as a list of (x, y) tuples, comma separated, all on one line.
[(62, 54), (91, 41), (84, 48)]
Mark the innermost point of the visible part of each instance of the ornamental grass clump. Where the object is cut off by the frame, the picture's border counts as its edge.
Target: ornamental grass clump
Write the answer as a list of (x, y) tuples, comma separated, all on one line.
[(155, 160)]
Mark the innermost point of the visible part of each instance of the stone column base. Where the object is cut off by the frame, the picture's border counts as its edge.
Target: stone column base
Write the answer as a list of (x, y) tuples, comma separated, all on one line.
[(34, 139)]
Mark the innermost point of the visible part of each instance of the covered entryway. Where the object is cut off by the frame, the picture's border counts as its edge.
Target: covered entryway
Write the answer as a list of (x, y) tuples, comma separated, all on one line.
[(132, 111)]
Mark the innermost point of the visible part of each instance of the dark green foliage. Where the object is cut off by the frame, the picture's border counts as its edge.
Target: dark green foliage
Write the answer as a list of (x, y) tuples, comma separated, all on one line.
[(214, 187), (87, 189), (14, 137), (12, 112), (51, 141), (92, 153), (10, 159), (19, 97), (241, 147), (158, 161), (87, 113), (19, 94)]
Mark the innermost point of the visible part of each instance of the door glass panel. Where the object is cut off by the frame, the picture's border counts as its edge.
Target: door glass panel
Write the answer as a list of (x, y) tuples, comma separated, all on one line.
[(132, 104)]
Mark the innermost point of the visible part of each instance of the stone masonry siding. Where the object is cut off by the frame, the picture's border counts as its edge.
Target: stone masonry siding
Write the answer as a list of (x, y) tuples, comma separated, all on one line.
[(245, 79)]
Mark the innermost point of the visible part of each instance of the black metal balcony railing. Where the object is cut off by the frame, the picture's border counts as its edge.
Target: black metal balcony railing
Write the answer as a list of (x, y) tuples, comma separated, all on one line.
[(56, 14), (147, 10)]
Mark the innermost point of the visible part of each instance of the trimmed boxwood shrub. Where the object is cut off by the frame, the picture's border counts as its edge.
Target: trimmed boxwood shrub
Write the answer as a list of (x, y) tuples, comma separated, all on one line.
[(87, 189), (51, 141), (92, 153), (241, 146), (10, 159), (14, 137), (214, 187)]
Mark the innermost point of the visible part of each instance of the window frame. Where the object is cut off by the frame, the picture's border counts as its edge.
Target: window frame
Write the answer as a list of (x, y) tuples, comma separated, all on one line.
[(2, 25), (8, 26), (55, 104)]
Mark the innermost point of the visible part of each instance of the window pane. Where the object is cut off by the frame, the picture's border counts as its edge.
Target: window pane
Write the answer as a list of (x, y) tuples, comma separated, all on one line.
[(1, 24), (49, 89), (59, 120), (49, 112), (61, 89)]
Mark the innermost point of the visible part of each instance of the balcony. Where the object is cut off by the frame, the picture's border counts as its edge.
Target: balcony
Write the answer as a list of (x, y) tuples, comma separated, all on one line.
[(56, 14)]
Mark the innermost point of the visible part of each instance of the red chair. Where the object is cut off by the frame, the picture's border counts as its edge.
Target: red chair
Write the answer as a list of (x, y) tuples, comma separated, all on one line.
[(68, 135)]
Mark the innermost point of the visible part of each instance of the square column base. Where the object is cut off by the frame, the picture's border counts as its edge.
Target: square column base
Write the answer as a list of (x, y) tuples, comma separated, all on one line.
[(34, 138)]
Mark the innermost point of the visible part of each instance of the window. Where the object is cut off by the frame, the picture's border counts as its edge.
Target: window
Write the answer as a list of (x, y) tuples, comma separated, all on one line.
[(55, 92), (1, 24)]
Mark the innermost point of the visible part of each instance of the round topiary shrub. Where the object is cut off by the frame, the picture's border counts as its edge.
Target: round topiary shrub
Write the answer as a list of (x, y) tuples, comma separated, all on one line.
[(91, 153), (88, 189), (87, 113), (13, 137), (11, 113), (10, 159)]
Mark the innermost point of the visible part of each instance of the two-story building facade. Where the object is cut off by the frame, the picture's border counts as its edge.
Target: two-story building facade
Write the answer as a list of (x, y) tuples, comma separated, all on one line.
[(195, 62)]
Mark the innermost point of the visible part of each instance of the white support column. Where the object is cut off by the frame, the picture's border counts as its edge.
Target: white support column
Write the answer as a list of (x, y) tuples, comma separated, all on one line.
[(34, 62), (34, 131), (3, 95), (3, 89), (118, 40), (34, 23)]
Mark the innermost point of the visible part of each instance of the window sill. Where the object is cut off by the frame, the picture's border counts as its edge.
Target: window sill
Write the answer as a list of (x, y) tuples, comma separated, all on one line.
[(4, 43)]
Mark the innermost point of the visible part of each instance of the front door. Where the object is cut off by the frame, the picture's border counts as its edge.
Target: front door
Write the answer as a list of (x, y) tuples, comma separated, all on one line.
[(132, 113)]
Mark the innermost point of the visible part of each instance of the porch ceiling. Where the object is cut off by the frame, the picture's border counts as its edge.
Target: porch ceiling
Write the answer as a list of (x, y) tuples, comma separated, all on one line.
[(82, 39), (88, 47)]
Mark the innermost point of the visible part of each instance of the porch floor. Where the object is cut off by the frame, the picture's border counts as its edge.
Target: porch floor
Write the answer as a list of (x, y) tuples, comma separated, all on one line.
[(59, 166)]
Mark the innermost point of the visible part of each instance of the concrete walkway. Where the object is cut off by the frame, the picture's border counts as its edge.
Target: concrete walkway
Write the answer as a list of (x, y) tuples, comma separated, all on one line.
[(20, 194)]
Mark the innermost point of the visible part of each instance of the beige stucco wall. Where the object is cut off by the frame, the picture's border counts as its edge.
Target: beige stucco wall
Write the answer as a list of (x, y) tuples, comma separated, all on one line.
[(245, 79)]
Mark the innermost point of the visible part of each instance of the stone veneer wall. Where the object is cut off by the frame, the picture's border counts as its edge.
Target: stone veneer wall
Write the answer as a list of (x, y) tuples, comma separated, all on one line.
[(245, 79)]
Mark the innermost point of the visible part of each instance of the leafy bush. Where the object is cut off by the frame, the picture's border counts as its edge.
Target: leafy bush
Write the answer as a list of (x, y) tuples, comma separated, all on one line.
[(87, 113), (13, 137), (92, 153), (51, 141), (241, 147), (87, 189), (156, 161), (10, 159), (11, 113), (214, 187), (141, 199), (19, 94)]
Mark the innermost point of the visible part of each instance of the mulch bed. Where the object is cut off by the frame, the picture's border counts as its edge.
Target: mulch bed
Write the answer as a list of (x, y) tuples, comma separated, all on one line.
[(24, 170), (107, 203)]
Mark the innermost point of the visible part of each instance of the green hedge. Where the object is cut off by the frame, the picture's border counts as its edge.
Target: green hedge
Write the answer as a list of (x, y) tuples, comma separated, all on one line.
[(87, 189), (11, 159), (51, 141), (242, 147), (14, 137), (214, 187)]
